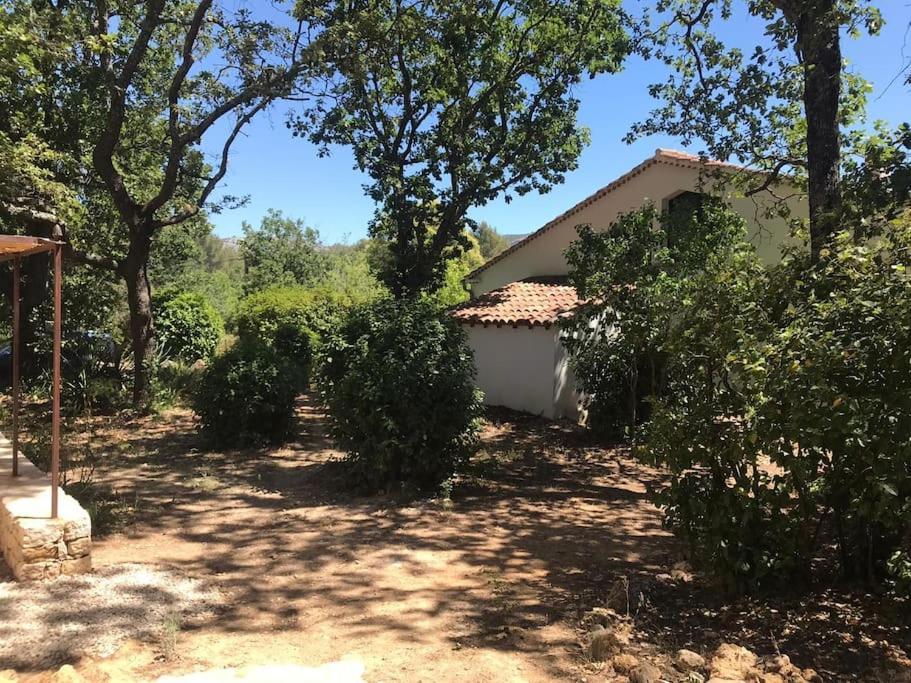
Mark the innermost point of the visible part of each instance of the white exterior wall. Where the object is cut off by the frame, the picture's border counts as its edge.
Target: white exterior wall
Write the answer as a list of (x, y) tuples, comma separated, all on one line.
[(522, 368), (543, 255)]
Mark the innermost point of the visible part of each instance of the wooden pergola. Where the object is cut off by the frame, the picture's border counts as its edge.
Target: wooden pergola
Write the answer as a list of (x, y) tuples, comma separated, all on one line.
[(14, 248)]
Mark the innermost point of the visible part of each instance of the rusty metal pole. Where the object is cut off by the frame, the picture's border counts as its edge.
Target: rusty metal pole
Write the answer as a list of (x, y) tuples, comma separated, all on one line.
[(15, 367), (55, 419)]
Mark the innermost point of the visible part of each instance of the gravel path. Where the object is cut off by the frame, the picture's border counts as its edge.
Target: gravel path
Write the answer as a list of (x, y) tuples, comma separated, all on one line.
[(44, 624)]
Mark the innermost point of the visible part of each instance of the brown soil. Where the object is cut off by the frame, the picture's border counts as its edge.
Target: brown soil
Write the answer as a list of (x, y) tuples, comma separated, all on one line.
[(491, 585)]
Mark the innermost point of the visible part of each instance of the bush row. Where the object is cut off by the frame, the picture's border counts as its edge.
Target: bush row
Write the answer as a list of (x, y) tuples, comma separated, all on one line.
[(396, 378), (779, 400)]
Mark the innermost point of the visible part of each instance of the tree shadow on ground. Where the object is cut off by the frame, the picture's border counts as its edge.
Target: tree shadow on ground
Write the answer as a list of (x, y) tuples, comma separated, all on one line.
[(543, 525)]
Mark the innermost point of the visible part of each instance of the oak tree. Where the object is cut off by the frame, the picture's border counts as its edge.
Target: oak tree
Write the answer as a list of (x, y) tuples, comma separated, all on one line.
[(448, 105), (780, 109)]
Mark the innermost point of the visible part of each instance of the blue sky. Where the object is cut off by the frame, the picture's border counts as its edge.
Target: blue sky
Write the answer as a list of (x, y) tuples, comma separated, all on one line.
[(281, 172)]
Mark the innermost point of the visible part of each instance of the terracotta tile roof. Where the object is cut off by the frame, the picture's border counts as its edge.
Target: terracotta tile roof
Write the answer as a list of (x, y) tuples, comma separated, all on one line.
[(661, 156), (535, 301)]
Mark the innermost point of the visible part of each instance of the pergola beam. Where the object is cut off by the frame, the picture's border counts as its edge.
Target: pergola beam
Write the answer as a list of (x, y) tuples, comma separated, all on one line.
[(16, 247)]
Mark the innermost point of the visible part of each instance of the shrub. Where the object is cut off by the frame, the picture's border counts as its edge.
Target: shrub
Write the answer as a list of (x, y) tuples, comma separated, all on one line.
[(187, 325), (786, 423), (398, 384), (634, 275), (780, 407), (174, 383), (291, 320), (246, 395)]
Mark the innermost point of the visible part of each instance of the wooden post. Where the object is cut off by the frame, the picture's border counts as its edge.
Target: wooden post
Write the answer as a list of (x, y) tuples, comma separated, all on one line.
[(15, 367), (55, 419)]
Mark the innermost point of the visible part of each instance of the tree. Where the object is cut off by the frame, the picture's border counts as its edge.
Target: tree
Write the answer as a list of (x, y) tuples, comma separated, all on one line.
[(45, 110), (457, 262), (282, 251), (448, 105), (349, 273), (780, 109), (633, 278), (490, 241), (150, 80)]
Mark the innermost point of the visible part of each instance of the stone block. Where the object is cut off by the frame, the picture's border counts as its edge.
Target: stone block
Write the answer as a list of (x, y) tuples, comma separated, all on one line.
[(78, 527), (29, 572), (35, 545), (43, 552), (79, 547), (34, 533)]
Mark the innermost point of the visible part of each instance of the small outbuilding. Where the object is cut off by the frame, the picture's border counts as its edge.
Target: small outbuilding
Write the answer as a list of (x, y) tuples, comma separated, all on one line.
[(519, 359)]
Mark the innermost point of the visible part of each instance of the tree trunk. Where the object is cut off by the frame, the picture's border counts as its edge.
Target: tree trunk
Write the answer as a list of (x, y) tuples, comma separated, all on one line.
[(820, 49), (139, 296)]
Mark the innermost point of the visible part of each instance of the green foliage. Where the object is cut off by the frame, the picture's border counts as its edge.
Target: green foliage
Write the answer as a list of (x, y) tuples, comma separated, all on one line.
[(459, 262), (188, 326), (452, 289), (246, 395), (490, 241), (292, 321), (633, 276), (174, 383), (349, 273), (281, 252), (876, 185), (189, 258), (744, 104), (786, 418), (448, 105), (398, 384)]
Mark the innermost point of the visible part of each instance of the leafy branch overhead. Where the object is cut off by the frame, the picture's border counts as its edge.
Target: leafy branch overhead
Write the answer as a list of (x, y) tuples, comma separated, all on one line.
[(448, 105), (780, 109)]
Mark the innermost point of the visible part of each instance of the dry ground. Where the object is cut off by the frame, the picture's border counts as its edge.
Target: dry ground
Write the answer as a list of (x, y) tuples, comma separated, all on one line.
[(491, 585)]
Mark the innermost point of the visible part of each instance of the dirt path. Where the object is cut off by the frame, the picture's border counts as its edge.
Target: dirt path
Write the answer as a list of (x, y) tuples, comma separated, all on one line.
[(490, 586), (482, 588)]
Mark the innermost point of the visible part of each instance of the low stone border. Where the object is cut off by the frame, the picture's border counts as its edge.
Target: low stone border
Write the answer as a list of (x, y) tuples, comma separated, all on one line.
[(34, 545)]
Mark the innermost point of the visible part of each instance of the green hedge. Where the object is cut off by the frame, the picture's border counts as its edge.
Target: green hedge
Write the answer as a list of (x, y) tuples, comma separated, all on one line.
[(246, 395), (398, 384), (291, 320), (187, 326)]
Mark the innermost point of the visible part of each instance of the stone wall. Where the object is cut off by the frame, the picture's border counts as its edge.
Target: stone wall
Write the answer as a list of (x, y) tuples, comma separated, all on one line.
[(34, 545)]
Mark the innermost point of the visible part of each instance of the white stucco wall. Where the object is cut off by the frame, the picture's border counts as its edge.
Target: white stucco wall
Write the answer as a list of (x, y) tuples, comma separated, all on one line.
[(543, 255), (522, 369)]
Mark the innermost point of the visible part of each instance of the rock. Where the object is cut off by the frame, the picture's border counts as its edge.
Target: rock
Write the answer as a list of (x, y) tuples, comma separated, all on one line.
[(79, 547), (733, 663), (811, 676), (604, 645), (67, 674), (645, 673), (80, 565), (601, 616), (780, 664), (694, 677), (624, 663), (41, 552), (687, 660), (80, 526), (8, 676), (771, 678), (682, 572)]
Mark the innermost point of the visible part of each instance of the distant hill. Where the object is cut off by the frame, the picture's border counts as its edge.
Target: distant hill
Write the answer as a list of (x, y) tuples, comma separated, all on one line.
[(512, 239)]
